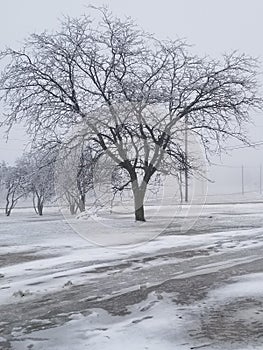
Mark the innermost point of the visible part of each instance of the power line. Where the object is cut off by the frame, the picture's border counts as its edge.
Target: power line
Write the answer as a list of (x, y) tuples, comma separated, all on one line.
[(257, 143), (234, 166)]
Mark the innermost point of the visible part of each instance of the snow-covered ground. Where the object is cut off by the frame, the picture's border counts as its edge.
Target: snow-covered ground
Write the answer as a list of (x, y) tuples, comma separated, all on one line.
[(189, 279)]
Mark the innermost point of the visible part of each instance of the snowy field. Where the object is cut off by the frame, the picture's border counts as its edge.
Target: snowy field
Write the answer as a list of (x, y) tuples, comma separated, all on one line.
[(197, 285)]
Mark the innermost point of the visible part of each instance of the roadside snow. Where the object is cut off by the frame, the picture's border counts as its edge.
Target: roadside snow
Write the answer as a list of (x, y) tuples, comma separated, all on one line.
[(242, 287), (64, 255), (151, 325)]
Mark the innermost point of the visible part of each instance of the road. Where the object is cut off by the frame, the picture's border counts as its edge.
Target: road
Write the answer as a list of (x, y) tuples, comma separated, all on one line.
[(44, 284)]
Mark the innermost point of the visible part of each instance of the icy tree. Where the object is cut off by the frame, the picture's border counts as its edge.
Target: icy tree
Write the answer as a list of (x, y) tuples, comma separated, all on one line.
[(3, 169), (14, 183), (130, 93), (40, 179), (75, 167)]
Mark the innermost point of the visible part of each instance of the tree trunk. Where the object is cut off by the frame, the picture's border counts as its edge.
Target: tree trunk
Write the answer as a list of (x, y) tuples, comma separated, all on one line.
[(8, 210), (9, 206), (72, 208), (82, 203), (139, 195), (34, 203), (139, 214), (40, 208)]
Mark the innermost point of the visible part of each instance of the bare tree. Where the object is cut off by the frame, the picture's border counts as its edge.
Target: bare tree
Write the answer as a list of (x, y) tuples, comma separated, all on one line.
[(15, 184), (40, 180), (129, 92), (74, 169), (3, 170)]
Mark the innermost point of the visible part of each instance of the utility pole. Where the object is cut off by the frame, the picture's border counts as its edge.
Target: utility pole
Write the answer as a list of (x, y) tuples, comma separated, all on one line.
[(180, 186), (242, 179), (186, 159), (260, 179)]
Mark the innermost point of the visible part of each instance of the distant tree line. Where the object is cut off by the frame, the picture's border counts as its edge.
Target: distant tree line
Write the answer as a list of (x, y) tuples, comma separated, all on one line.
[(33, 177)]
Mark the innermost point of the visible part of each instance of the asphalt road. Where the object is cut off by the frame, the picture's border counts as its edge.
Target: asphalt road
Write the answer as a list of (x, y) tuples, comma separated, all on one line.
[(185, 274)]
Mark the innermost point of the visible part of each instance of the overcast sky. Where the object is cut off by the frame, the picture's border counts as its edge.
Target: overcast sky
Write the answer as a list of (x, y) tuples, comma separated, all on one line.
[(213, 27)]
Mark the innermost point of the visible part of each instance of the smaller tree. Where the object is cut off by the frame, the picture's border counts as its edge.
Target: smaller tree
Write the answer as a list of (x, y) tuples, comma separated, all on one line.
[(84, 176), (40, 179), (15, 185), (75, 175)]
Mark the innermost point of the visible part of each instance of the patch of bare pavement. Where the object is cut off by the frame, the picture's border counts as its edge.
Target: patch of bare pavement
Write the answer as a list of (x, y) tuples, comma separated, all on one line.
[(188, 276), (21, 257)]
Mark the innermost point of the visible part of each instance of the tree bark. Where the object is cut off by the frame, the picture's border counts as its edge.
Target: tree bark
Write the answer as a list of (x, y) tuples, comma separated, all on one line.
[(8, 210), (82, 203), (139, 214), (73, 208), (40, 208), (139, 195), (9, 206)]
